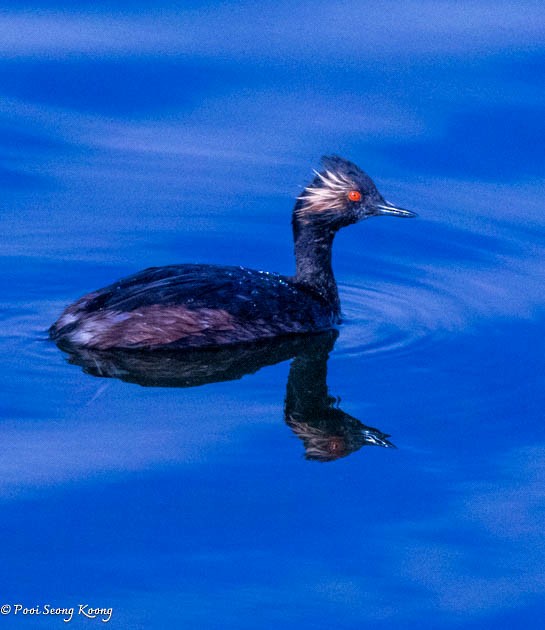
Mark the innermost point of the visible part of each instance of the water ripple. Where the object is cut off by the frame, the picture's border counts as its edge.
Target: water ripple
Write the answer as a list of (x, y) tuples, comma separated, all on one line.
[(392, 318)]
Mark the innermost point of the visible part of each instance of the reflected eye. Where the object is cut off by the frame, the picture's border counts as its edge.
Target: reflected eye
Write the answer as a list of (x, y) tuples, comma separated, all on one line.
[(354, 195)]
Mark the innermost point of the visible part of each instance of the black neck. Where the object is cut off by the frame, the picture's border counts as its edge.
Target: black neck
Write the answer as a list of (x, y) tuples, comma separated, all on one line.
[(313, 245)]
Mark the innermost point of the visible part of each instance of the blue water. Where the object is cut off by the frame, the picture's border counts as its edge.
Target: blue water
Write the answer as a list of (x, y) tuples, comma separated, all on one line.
[(133, 136)]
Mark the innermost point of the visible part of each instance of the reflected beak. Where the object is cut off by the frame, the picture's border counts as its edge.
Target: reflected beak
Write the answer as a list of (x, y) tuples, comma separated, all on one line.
[(388, 209)]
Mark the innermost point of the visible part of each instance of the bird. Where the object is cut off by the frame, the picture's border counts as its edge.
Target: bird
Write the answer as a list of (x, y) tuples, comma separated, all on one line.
[(205, 306)]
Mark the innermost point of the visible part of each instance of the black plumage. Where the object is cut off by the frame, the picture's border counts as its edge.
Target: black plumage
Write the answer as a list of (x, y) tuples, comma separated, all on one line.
[(244, 293)]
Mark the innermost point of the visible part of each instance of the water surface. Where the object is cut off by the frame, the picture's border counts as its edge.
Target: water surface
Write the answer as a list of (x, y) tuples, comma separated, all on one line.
[(133, 137)]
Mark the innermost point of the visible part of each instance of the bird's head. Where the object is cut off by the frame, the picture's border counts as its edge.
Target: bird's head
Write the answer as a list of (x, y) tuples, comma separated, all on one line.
[(341, 194)]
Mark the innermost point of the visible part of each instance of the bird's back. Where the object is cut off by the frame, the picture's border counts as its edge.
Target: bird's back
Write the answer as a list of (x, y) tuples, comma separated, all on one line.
[(192, 306)]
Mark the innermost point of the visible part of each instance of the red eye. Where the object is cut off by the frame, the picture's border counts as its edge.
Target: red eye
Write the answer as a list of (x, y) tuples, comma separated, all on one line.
[(354, 195)]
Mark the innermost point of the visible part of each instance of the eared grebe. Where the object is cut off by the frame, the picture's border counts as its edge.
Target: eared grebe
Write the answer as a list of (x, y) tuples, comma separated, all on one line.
[(192, 306)]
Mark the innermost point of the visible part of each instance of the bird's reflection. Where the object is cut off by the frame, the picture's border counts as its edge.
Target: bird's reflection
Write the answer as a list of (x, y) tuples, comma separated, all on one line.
[(327, 432)]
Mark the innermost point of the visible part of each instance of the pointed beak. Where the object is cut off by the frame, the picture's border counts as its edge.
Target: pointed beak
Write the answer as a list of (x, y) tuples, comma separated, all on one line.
[(389, 210)]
